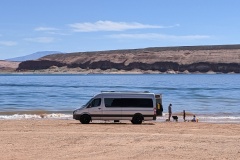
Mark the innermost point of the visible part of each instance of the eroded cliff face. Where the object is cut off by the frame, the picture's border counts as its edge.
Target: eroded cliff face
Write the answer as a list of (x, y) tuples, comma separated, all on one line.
[(157, 66), (38, 64), (222, 59)]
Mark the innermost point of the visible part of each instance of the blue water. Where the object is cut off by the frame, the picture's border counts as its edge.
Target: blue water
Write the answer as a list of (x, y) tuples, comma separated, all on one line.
[(215, 95)]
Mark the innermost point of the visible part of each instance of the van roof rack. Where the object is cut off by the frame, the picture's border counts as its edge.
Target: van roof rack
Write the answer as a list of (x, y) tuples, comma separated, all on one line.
[(126, 91)]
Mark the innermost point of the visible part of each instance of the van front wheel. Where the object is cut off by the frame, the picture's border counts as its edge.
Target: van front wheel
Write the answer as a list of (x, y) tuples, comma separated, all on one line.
[(85, 119), (137, 119)]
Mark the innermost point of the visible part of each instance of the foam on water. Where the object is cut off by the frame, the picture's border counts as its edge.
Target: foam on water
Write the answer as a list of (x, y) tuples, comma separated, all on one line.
[(205, 118), (36, 116), (221, 119), (202, 118)]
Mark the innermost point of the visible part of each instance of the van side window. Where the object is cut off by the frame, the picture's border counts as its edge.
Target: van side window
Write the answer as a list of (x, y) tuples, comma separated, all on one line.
[(96, 102), (112, 102), (128, 102)]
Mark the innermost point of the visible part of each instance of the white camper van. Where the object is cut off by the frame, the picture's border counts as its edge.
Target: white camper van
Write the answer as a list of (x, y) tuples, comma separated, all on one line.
[(116, 106)]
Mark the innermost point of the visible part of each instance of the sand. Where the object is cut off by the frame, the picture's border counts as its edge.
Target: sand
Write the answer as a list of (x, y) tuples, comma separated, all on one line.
[(68, 139)]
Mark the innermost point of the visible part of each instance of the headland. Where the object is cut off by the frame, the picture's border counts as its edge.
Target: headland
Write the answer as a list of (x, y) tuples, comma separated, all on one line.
[(182, 59)]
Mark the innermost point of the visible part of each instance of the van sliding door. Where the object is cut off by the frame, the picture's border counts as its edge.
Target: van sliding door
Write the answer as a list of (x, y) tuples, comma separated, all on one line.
[(112, 109)]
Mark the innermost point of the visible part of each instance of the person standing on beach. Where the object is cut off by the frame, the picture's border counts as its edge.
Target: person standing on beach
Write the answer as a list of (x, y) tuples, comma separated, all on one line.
[(159, 109), (169, 111), (184, 115)]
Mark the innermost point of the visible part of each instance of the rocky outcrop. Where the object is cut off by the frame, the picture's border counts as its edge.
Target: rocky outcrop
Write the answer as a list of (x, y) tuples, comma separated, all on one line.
[(221, 58), (36, 65)]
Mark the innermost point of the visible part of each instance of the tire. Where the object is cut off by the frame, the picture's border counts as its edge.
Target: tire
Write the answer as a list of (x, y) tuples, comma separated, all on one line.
[(137, 119), (85, 119)]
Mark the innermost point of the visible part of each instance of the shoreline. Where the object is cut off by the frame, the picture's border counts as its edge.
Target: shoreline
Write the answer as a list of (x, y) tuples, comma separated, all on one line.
[(41, 115), (108, 73), (68, 139), (54, 70)]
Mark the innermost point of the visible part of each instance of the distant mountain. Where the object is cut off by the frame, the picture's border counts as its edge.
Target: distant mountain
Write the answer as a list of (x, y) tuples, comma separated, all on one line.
[(33, 56)]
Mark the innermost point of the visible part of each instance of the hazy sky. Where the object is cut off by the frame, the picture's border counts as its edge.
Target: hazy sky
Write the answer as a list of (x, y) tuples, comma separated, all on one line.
[(28, 26)]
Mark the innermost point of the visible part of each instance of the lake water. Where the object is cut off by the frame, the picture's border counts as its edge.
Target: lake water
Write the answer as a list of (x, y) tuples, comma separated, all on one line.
[(213, 98)]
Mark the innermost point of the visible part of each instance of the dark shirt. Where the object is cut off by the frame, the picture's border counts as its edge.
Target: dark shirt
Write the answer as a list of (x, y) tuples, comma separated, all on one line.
[(169, 109)]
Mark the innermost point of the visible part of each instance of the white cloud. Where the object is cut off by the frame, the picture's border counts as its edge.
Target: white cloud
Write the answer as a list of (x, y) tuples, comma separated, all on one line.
[(158, 36), (51, 30), (112, 26), (8, 43), (45, 29), (58, 33), (41, 39)]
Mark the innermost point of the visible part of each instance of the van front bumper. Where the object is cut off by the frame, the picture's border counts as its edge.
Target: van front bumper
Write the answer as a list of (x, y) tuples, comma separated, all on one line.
[(77, 117)]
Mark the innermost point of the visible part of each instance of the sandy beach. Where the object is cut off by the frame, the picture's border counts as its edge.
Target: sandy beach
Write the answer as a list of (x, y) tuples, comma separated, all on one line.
[(68, 139)]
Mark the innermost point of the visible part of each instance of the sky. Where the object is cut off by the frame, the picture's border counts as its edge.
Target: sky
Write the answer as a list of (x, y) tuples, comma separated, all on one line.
[(29, 26)]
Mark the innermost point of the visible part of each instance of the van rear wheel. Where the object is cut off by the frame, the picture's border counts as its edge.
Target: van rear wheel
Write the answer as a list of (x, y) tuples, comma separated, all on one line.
[(137, 119), (85, 119)]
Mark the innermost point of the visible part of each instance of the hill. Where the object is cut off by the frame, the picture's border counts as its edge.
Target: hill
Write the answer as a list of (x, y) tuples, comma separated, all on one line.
[(216, 58), (6, 66)]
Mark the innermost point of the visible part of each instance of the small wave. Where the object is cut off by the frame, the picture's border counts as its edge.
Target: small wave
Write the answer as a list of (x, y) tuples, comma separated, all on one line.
[(207, 119), (220, 119), (204, 118), (36, 116)]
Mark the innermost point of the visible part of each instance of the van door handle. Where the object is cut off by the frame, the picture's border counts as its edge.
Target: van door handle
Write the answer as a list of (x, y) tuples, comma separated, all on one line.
[(99, 108)]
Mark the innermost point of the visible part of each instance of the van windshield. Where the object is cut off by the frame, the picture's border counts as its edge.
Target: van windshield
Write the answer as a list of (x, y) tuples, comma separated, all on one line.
[(90, 101)]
